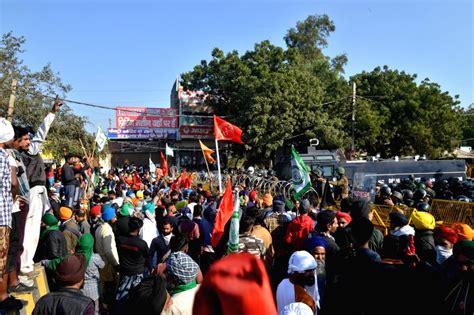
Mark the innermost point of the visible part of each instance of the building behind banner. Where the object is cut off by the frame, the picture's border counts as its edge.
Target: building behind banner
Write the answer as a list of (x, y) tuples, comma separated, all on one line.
[(141, 132)]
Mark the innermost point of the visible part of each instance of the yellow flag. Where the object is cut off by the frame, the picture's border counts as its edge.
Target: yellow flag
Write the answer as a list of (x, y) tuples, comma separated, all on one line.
[(207, 153)]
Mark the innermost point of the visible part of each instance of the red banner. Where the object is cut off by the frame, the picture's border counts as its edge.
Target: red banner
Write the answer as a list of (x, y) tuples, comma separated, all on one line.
[(146, 117), (191, 132)]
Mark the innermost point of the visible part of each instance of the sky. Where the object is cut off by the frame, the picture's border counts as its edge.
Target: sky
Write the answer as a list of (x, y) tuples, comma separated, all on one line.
[(129, 53)]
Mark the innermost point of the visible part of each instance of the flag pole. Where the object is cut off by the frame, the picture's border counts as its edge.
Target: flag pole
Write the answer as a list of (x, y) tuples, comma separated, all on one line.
[(218, 167), (208, 171)]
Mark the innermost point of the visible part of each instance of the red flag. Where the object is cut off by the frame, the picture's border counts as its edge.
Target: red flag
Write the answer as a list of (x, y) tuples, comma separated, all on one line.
[(224, 130), (164, 164), (224, 213)]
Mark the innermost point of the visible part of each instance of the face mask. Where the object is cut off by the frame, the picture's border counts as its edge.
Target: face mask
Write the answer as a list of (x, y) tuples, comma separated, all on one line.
[(167, 238), (442, 253)]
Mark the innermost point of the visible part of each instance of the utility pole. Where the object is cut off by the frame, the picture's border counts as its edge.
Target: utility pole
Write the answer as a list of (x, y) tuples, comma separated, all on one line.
[(11, 103), (353, 115)]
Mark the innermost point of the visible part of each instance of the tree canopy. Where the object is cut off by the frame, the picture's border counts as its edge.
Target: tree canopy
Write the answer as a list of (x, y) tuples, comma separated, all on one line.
[(31, 104), (288, 95)]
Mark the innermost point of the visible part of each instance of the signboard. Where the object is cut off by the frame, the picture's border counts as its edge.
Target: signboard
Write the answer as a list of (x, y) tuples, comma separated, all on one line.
[(146, 117), (194, 102), (196, 132), (363, 186), (142, 133)]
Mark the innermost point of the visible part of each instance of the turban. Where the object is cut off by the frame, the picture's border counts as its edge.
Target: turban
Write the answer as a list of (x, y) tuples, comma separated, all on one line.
[(49, 219), (95, 211), (344, 215), (147, 298), (297, 308), (267, 200), (253, 195), (6, 130), (140, 195), (398, 219), (423, 220), (314, 241), (464, 231), (71, 269), (278, 206), (447, 233), (180, 205), (85, 246), (150, 207), (465, 248), (301, 261), (236, 284), (65, 213), (126, 209), (182, 267), (108, 212)]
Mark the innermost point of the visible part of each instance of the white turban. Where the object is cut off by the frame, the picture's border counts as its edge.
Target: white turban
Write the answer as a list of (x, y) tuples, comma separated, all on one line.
[(297, 308), (6, 130), (301, 261)]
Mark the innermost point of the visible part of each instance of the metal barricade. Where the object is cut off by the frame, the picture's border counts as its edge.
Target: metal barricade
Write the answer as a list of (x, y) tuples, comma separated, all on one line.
[(450, 211)]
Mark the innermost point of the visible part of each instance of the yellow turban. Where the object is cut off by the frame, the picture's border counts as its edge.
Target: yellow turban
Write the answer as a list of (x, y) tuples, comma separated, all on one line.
[(423, 220)]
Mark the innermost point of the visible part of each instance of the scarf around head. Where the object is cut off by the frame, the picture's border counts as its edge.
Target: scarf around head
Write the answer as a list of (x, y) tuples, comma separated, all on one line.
[(85, 246), (51, 222)]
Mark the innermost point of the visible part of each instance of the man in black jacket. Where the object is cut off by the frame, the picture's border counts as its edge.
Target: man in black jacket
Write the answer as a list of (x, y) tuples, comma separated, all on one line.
[(69, 181), (69, 299)]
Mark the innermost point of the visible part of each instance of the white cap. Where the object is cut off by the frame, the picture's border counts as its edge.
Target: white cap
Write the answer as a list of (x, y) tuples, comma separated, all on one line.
[(6, 130)]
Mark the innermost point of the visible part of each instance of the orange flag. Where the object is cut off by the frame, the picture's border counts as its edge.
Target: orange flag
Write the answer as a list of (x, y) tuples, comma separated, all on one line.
[(224, 213), (207, 153), (164, 164), (224, 130)]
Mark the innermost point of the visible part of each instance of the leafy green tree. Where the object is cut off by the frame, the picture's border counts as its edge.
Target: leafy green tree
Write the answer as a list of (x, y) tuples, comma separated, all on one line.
[(278, 95), (397, 116), (31, 104), (468, 130)]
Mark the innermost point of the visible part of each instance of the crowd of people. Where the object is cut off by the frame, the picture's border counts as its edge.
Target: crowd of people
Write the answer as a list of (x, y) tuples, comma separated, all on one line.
[(142, 243)]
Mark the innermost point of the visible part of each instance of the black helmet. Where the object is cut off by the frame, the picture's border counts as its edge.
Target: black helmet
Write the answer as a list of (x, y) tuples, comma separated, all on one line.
[(385, 191), (423, 206), (419, 194), (397, 195), (407, 194)]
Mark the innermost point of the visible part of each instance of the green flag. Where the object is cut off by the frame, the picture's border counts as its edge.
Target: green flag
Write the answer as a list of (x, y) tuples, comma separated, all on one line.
[(300, 174)]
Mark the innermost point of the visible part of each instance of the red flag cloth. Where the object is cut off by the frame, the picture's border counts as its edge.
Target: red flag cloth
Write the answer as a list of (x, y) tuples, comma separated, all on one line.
[(224, 130), (232, 285), (224, 213), (164, 164)]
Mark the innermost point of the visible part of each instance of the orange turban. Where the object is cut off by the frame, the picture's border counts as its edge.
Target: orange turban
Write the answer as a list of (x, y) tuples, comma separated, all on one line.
[(464, 231), (65, 213), (267, 200)]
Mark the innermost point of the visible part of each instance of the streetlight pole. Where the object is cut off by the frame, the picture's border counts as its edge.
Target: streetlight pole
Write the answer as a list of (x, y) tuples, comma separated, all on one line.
[(353, 116)]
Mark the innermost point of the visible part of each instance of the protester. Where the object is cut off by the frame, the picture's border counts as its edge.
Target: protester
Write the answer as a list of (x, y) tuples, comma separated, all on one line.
[(7, 303), (85, 246), (181, 277), (301, 285), (68, 299), (69, 228)]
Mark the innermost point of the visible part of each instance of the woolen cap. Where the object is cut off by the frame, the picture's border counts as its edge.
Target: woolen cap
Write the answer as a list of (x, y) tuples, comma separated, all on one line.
[(71, 270)]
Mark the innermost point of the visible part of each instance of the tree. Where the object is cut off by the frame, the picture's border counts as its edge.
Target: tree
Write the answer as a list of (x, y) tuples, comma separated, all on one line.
[(397, 116), (468, 130), (276, 95), (31, 104)]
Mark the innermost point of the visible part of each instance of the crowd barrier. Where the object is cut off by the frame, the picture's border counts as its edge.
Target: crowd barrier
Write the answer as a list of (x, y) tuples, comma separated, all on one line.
[(30, 298), (446, 212)]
